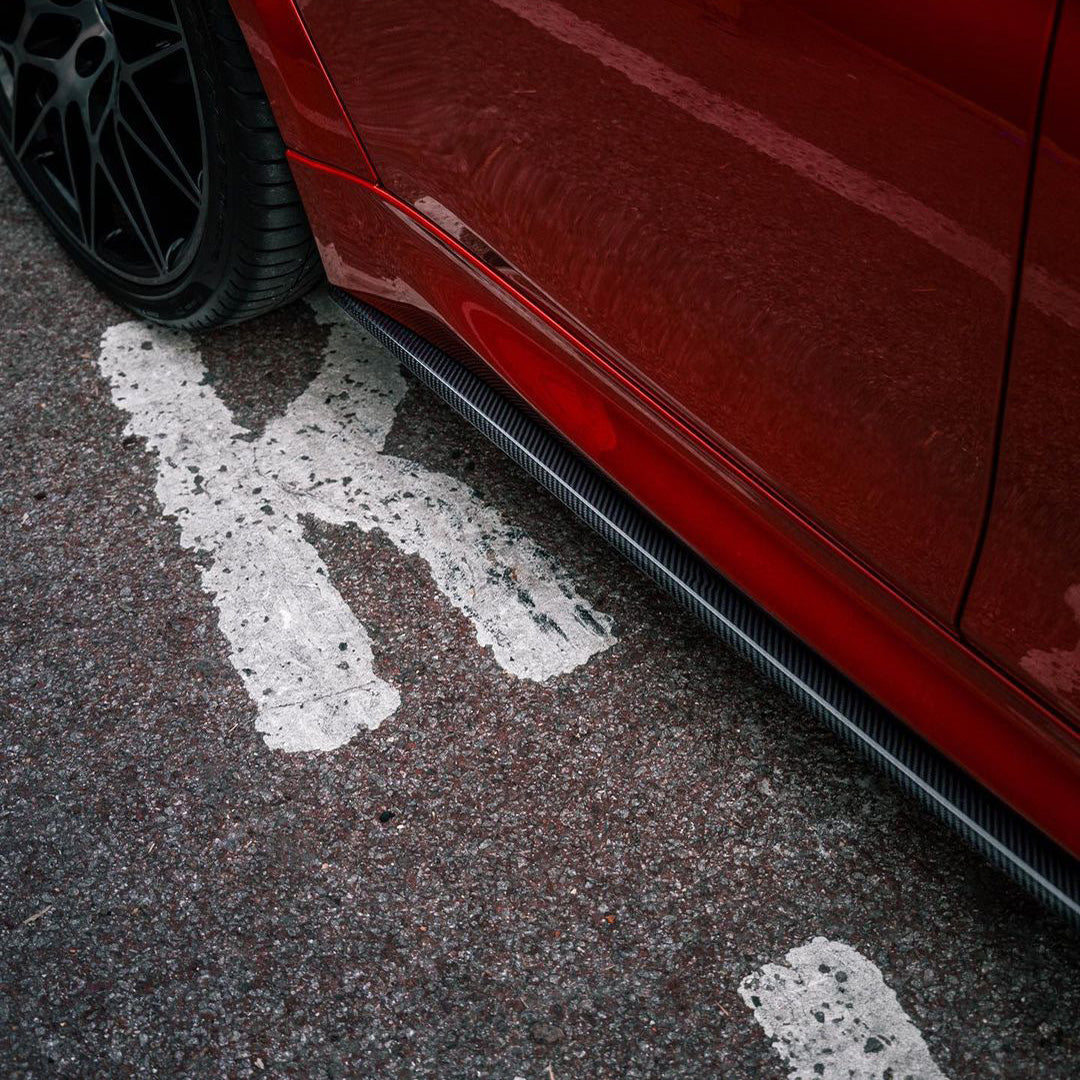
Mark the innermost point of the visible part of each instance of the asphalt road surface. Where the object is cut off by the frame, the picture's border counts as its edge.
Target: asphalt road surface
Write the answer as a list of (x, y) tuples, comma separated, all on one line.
[(334, 747)]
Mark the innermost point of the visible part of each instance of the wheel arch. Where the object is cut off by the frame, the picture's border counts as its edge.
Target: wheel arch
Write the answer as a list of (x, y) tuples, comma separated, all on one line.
[(302, 96)]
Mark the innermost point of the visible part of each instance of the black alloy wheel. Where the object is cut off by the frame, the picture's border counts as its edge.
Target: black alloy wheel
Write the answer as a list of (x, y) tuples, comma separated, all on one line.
[(141, 132)]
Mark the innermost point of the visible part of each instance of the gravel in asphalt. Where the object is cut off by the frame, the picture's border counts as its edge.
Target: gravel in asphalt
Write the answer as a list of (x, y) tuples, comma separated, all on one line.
[(507, 877)]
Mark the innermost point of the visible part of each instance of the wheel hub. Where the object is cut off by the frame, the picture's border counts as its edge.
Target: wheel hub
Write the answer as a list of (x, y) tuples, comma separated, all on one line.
[(86, 69)]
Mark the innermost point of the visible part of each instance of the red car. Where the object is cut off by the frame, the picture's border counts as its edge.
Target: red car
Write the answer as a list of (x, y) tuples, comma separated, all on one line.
[(781, 296)]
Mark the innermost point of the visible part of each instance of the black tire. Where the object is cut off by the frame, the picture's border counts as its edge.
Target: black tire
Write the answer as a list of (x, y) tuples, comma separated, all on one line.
[(244, 246)]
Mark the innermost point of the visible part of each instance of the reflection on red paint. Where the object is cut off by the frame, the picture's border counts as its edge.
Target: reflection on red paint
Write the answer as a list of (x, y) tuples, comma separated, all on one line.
[(1023, 606), (1057, 670), (771, 216), (306, 106), (559, 397), (913, 667)]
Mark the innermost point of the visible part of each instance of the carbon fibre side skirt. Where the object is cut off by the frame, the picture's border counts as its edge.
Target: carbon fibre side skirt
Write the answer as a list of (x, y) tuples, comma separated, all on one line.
[(1007, 839)]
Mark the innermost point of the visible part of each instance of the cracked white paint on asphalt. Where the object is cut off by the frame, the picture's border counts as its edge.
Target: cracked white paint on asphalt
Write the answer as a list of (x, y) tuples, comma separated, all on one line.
[(831, 1015), (304, 657)]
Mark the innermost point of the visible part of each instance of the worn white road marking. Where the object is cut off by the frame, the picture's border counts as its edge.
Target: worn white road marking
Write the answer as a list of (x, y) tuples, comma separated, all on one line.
[(830, 1014), (303, 656)]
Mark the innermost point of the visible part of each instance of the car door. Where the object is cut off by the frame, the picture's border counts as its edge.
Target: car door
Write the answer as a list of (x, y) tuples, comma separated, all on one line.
[(793, 224), (1024, 608)]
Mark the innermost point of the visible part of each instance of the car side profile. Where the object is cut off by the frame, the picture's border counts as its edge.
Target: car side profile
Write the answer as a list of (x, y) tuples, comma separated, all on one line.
[(781, 296)]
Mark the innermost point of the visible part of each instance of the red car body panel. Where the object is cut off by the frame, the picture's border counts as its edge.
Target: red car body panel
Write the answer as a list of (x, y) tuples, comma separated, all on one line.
[(1024, 609), (755, 217), (381, 251), (306, 106), (438, 245)]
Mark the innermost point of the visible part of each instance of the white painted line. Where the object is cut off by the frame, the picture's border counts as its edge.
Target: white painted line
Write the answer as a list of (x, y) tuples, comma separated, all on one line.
[(305, 659), (831, 1015)]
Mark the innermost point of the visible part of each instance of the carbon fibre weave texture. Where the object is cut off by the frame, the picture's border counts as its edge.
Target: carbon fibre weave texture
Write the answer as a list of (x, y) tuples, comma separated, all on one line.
[(1003, 836)]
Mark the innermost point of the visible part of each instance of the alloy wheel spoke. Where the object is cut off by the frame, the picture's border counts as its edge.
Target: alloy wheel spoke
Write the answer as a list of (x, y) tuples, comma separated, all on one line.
[(18, 93), (7, 58), (179, 182), (35, 127), (173, 49), (151, 232), (144, 105), (69, 191), (72, 193), (137, 226), (140, 16), (73, 126), (92, 238), (100, 113)]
